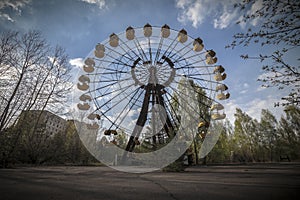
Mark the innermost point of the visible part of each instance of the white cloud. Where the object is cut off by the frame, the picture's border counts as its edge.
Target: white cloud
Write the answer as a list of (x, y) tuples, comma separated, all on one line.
[(197, 11), (254, 107), (16, 5), (228, 17), (246, 85), (260, 88), (221, 13), (6, 16), (194, 11), (78, 62), (99, 3), (256, 6), (230, 108), (182, 3), (243, 91)]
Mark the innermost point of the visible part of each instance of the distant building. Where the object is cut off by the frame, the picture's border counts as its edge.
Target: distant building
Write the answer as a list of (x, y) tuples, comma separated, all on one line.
[(42, 121)]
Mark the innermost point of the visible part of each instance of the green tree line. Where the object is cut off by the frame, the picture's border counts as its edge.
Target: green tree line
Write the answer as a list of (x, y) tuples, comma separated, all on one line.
[(267, 140), (63, 148), (247, 140)]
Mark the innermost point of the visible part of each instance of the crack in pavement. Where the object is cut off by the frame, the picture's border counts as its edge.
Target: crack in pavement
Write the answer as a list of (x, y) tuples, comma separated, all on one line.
[(160, 186)]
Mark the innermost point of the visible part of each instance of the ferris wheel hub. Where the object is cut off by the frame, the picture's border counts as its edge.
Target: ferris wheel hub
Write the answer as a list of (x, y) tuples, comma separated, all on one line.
[(153, 75)]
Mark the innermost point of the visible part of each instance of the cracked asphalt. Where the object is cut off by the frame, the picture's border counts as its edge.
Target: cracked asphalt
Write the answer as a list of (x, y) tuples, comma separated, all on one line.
[(263, 181)]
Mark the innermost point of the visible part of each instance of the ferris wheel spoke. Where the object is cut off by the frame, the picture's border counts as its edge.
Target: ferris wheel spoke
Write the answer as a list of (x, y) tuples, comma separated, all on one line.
[(185, 96), (102, 87), (201, 94), (110, 80), (186, 58), (175, 113), (199, 79), (162, 76), (140, 49), (197, 66), (182, 55), (110, 73), (177, 52), (110, 92), (117, 61), (190, 65), (129, 101), (202, 87), (111, 107), (167, 50), (168, 105), (112, 123), (111, 62), (130, 49), (123, 90), (149, 46), (200, 74), (125, 55), (111, 69), (158, 49), (185, 101)]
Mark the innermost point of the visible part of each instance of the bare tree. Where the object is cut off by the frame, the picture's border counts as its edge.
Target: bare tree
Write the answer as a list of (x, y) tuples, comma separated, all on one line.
[(279, 28), (33, 75)]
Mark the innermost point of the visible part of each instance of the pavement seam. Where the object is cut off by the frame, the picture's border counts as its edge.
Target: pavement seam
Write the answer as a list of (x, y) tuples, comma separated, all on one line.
[(159, 185)]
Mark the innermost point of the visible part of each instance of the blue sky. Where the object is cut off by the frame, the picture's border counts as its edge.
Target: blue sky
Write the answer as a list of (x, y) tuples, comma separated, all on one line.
[(77, 25)]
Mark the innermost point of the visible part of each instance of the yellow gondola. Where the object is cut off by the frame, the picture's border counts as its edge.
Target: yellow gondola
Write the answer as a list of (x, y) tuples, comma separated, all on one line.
[(99, 52), (223, 96), (220, 77), (198, 45), (93, 116), (217, 106), (211, 60), (130, 33), (165, 31), (182, 36), (147, 30), (85, 97), (201, 124), (82, 87), (89, 62), (113, 40), (84, 106), (110, 132), (93, 126), (221, 87), (210, 53), (218, 116), (219, 69)]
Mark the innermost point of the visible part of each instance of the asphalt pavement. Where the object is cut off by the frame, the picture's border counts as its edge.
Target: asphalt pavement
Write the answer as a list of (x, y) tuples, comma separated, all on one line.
[(255, 182)]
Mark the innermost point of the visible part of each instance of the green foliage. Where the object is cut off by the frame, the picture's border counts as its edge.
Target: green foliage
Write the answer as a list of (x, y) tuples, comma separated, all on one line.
[(25, 146), (176, 166), (248, 141), (222, 150), (289, 134), (267, 140)]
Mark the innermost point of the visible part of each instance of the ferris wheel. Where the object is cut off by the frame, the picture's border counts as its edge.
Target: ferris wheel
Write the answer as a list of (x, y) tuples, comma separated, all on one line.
[(140, 81)]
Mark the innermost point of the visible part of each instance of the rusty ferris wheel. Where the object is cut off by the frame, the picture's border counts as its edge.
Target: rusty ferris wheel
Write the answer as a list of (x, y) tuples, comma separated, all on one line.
[(136, 82)]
